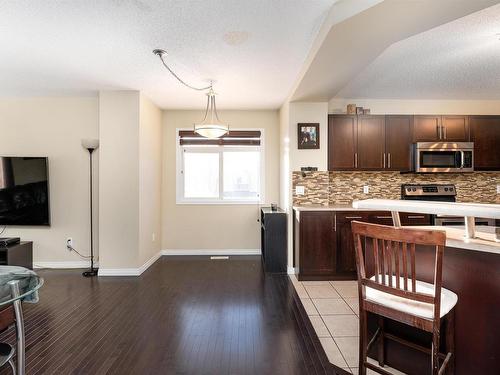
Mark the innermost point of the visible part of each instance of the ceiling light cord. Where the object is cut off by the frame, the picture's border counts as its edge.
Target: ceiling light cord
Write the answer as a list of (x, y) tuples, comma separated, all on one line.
[(210, 126), (160, 53)]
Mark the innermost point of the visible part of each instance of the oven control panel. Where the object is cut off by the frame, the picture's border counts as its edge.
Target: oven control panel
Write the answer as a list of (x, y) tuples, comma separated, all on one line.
[(427, 190)]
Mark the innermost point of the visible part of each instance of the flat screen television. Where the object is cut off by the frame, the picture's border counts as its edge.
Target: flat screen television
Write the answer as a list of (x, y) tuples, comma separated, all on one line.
[(24, 191)]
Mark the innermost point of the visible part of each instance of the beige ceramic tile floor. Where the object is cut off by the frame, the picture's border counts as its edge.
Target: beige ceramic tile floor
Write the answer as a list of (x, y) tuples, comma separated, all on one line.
[(332, 307)]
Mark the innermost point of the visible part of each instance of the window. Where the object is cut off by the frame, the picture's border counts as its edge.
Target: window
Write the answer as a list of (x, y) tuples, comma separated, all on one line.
[(227, 170)]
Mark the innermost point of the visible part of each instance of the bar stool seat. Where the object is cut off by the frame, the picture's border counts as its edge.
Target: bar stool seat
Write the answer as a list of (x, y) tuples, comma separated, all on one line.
[(416, 308)]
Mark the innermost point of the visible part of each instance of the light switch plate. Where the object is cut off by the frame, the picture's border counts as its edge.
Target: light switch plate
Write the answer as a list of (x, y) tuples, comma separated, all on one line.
[(498, 189), (300, 190), (366, 189)]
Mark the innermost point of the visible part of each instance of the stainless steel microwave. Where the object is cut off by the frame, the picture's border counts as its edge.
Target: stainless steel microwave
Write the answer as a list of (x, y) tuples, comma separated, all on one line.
[(439, 157)]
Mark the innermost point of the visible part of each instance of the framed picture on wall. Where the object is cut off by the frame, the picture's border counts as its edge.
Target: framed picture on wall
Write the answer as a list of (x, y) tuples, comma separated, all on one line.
[(308, 136)]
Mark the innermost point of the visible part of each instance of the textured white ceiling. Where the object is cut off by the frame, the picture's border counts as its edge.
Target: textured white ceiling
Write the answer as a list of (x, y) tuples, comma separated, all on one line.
[(254, 49), (457, 60)]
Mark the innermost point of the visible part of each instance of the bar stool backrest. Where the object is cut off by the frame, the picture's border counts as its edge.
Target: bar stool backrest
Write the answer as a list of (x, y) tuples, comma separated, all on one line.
[(394, 255)]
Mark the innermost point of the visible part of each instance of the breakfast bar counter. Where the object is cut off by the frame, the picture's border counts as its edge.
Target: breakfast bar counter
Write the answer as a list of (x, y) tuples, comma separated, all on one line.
[(471, 269)]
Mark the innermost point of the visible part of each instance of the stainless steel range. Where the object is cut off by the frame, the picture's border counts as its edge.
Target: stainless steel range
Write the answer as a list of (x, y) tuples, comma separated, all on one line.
[(438, 193)]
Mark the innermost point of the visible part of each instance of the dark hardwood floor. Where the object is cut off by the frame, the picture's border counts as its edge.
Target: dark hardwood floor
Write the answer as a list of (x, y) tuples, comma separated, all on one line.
[(184, 315)]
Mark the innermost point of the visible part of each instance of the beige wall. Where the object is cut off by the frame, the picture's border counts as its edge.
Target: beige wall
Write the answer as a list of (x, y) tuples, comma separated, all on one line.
[(215, 226), (422, 107), (54, 127), (291, 158), (119, 179), (150, 160), (315, 113)]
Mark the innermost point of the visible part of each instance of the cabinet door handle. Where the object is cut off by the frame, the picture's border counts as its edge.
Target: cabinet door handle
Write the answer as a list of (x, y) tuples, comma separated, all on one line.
[(334, 223), (438, 129), (383, 217), (389, 160), (416, 217), (355, 160), (384, 160), (444, 131), (353, 217)]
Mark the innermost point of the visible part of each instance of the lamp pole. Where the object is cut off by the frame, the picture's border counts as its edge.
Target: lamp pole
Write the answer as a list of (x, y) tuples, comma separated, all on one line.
[(92, 271)]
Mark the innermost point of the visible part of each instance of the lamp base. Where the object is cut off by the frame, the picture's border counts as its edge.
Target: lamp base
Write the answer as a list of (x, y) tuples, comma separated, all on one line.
[(91, 272)]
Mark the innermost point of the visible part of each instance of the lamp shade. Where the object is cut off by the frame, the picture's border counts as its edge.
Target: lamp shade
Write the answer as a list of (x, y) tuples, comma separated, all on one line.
[(90, 144), (211, 130), (211, 126)]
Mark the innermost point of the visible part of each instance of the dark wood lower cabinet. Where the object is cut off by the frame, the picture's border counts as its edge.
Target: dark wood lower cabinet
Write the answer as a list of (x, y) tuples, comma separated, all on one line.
[(346, 265), (324, 245), (315, 242)]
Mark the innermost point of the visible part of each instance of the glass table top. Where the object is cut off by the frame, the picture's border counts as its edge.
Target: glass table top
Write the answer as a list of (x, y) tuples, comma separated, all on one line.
[(29, 283)]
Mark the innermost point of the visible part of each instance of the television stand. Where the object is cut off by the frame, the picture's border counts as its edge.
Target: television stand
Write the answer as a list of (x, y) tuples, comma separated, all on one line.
[(19, 254)]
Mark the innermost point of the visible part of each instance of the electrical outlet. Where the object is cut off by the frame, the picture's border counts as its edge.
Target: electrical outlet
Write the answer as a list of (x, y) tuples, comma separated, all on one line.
[(498, 189), (366, 189), (153, 237), (69, 243), (300, 190)]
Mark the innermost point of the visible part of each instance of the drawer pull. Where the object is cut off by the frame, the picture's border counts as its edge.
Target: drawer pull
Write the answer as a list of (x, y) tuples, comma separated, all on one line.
[(383, 217), (416, 217), (353, 217)]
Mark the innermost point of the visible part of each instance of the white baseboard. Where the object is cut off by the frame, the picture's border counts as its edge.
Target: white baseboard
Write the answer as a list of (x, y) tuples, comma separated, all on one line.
[(290, 270), (129, 271), (138, 271), (62, 265), (210, 252)]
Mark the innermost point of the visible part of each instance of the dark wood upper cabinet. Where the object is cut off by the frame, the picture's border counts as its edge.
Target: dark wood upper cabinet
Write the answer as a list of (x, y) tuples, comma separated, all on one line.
[(485, 133), (426, 128), (342, 141), (317, 243), (446, 128), (398, 141), (455, 128), (370, 152)]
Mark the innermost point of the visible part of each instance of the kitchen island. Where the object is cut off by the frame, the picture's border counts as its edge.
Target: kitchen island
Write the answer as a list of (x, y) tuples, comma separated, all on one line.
[(471, 269)]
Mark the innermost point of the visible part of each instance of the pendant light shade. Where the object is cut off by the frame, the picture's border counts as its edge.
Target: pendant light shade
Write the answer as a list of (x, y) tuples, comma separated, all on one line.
[(211, 126)]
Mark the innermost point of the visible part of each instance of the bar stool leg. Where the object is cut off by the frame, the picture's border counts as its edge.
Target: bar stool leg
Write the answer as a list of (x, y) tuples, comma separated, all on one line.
[(14, 287), (363, 341), (12, 366), (381, 341), (435, 348), (450, 341)]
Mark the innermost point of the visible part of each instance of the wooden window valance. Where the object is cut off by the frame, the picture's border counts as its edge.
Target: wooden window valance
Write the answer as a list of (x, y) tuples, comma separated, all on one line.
[(232, 138)]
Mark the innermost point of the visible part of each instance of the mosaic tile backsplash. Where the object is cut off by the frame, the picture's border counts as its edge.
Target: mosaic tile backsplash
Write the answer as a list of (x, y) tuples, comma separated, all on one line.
[(324, 188)]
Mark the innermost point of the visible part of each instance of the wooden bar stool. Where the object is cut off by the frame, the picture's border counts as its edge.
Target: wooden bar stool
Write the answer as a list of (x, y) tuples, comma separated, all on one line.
[(394, 292)]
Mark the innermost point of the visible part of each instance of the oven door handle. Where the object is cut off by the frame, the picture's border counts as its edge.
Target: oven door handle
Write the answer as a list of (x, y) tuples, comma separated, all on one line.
[(462, 162)]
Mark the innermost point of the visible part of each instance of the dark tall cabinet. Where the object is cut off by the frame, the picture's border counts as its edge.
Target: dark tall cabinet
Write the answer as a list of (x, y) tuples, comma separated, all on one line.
[(273, 240), (485, 133)]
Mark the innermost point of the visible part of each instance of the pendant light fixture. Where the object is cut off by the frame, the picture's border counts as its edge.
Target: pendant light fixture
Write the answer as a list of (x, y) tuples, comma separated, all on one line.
[(210, 126)]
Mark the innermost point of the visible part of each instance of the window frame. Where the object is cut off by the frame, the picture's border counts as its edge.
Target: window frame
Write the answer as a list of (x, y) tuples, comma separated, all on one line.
[(179, 175)]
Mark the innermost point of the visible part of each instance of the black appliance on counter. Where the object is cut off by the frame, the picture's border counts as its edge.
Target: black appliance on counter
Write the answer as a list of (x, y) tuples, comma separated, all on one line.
[(438, 193), (273, 235)]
